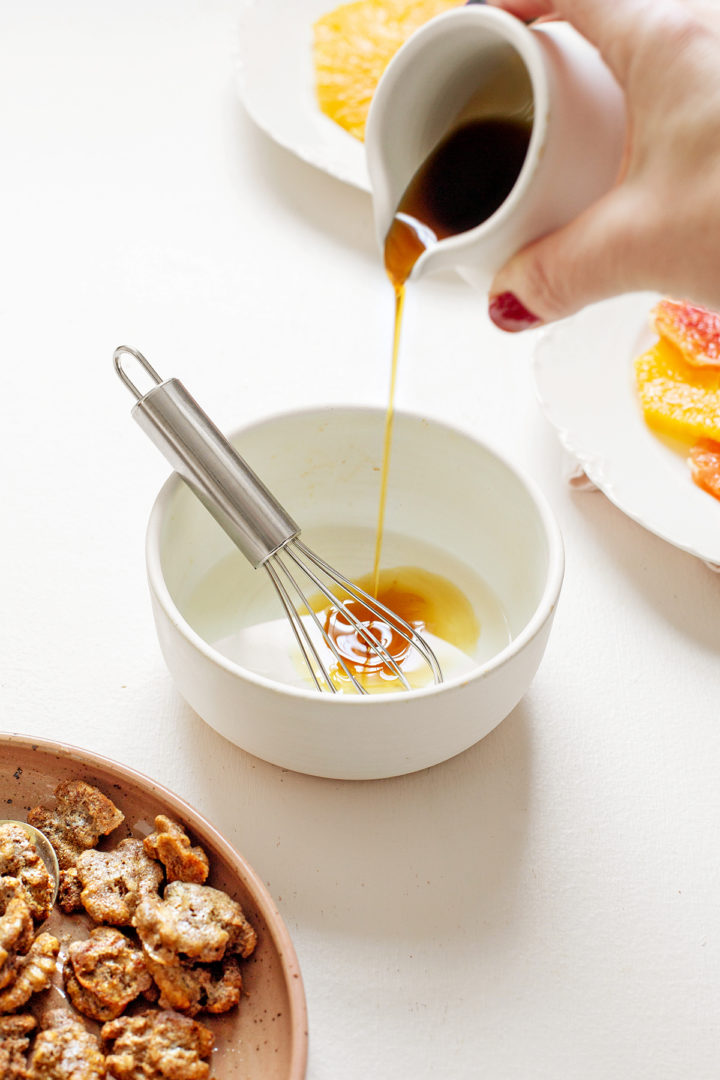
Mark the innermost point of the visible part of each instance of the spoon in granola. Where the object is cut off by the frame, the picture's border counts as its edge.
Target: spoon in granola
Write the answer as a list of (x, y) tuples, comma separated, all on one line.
[(44, 849)]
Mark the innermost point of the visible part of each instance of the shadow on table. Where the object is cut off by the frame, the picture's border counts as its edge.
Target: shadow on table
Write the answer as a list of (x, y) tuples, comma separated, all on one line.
[(327, 204), (391, 858), (680, 587)]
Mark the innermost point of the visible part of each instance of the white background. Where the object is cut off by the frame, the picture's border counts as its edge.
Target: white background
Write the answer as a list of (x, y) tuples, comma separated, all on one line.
[(546, 904)]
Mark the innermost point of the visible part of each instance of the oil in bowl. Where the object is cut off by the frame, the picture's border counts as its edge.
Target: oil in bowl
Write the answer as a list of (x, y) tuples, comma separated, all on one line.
[(236, 611)]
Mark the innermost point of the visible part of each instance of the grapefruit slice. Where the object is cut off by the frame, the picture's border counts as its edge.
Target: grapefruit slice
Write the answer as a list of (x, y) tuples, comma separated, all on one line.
[(694, 330), (704, 462)]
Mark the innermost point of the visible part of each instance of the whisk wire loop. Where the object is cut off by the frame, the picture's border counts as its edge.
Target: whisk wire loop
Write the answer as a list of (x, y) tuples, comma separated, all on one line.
[(126, 350), (276, 558), (304, 641), (363, 597), (404, 629)]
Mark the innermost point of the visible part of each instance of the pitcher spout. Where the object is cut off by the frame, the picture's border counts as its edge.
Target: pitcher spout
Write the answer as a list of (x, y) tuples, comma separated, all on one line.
[(466, 73)]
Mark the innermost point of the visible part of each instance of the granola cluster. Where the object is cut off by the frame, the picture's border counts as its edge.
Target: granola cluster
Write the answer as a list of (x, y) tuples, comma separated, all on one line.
[(105, 973), (19, 859), (161, 935), (81, 816), (112, 883), (14, 1042), (27, 961), (157, 1044), (65, 1050)]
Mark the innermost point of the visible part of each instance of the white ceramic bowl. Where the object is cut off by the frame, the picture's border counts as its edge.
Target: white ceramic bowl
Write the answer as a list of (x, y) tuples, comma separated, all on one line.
[(446, 488)]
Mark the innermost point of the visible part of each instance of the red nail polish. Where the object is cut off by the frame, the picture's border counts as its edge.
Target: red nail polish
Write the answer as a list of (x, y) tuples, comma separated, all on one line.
[(508, 313)]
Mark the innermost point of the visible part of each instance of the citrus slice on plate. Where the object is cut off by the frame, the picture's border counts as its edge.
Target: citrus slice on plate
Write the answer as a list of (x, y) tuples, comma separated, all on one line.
[(678, 398), (352, 46), (694, 330), (704, 462)]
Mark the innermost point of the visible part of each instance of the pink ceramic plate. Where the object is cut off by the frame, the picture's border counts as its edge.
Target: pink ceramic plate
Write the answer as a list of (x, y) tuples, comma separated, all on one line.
[(266, 1037)]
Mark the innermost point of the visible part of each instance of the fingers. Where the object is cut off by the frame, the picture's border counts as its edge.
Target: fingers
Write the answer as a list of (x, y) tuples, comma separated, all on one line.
[(629, 240), (612, 27), (593, 257), (524, 9)]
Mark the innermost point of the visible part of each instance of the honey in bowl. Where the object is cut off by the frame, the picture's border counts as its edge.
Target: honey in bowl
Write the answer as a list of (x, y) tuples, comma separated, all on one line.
[(428, 602), (235, 609)]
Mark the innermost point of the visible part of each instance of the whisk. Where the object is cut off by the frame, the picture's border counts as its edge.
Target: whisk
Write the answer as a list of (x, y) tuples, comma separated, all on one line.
[(263, 530)]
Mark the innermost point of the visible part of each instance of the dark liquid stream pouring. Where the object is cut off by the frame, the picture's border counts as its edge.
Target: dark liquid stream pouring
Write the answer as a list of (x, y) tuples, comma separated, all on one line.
[(461, 183)]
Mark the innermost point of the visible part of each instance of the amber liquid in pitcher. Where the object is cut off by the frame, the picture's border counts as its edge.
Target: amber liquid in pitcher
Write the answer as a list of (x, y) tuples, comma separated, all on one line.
[(465, 179), (461, 183)]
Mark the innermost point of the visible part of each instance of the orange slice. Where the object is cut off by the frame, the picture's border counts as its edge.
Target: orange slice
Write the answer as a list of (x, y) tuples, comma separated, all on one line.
[(695, 331), (353, 45), (678, 399), (704, 462)]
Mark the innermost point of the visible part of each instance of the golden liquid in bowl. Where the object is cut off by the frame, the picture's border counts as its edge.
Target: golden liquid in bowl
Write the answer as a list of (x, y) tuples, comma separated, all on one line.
[(428, 602), (235, 609)]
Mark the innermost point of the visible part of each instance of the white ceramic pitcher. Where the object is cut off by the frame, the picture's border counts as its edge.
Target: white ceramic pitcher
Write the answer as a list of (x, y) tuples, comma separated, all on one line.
[(474, 61)]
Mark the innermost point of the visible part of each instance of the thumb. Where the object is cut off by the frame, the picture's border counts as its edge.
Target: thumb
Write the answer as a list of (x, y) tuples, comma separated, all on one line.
[(590, 259)]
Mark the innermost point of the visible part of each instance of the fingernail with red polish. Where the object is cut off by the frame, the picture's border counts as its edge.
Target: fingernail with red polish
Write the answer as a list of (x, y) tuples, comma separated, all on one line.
[(509, 314)]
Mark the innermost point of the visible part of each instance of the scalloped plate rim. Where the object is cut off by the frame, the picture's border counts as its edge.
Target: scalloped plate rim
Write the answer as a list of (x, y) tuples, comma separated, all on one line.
[(307, 133), (628, 317)]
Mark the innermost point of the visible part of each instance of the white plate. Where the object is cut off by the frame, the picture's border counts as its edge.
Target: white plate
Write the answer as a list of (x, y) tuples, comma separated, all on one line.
[(276, 83), (584, 374)]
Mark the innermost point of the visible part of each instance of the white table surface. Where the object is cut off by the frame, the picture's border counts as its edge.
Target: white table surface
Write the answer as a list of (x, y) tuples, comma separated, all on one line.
[(546, 904)]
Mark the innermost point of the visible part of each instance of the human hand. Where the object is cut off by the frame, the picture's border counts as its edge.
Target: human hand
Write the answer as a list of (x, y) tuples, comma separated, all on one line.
[(659, 227)]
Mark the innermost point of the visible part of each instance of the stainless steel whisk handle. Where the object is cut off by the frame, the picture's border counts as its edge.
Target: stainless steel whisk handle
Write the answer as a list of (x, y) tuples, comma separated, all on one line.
[(199, 452)]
